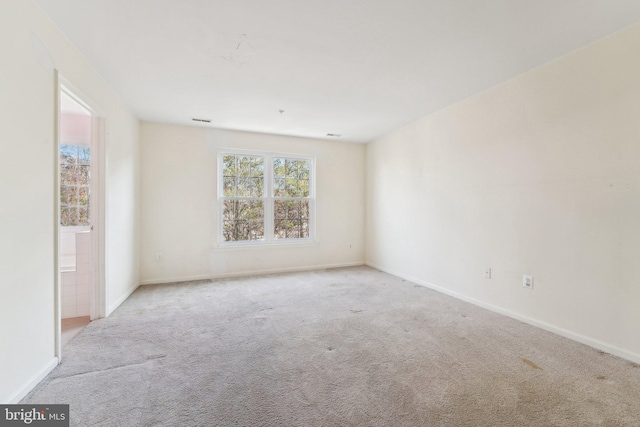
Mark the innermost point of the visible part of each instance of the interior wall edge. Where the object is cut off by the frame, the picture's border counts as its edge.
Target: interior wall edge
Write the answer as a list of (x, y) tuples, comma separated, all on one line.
[(249, 273), (113, 307), (582, 339), (30, 384)]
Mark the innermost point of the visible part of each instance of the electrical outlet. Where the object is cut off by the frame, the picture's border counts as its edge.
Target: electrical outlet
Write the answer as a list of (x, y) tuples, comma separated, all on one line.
[(487, 273), (159, 257), (527, 281), (350, 245)]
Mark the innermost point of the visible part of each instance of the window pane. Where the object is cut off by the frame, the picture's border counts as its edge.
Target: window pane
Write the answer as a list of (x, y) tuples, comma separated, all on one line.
[(280, 229), (291, 219), (257, 230), (303, 188), (229, 210), (83, 196), (290, 229), (283, 207), (278, 168), (228, 231), (291, 168), (65, 217), (303, 178), (84, 174), (250, 210), (242, 230), (84, 155), (83, 218), (304, 210), (257, 167), (303, 169), (244, 166), (304, 229), (257, 187), (244, 187), (291, 188), (68, 175), (243, 176), (293, 232), (68, 154), (279, 209), (75, 174), (243, 220), (296, 178), (65, 195), (229, 166), (294, 211), (279, 187), (229, 185), (73, 216), (71, 196)]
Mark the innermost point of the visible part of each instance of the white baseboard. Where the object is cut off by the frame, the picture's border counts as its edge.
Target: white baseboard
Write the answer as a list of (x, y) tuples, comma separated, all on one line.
[(122, 299), (591, 342), (32, 382), (248, 273)]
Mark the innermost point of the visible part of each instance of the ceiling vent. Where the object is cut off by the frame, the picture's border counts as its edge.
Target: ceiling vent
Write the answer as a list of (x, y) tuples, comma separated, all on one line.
[(202, 120), (334, 135)]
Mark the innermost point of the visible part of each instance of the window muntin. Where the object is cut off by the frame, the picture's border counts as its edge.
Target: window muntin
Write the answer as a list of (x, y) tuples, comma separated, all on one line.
[(265, 198), (243, 176)]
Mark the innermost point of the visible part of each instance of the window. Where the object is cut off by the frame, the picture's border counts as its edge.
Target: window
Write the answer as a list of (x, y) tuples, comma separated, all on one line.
[(243, 202), (265, 198), (75, 173)]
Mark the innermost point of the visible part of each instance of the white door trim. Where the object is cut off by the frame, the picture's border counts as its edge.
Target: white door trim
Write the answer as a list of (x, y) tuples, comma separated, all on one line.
[(98, 206)]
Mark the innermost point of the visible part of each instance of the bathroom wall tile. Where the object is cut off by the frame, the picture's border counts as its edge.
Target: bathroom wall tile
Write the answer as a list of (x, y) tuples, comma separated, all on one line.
[(83, 258), (69, 311), (83, 299), (83, 268), (69, 290), (83, 238), (69, 299), (83, 310), (83, 279), (83, 246), (69, 279), (83, 295)]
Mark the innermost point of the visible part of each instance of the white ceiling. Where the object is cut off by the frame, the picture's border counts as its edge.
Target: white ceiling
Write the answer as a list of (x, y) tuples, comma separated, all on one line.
[(359, 68)]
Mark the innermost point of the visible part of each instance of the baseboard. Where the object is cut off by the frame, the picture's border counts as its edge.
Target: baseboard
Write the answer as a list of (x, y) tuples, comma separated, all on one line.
[(248, 273), (122, 299), (633, 357), (32, 382)]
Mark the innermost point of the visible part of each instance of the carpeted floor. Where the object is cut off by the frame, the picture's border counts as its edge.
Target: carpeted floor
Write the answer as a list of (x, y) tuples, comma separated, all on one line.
[(341, 347)]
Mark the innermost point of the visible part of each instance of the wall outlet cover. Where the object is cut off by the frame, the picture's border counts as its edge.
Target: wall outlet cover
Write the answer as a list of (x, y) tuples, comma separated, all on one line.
[(527, 281), (487, 273)]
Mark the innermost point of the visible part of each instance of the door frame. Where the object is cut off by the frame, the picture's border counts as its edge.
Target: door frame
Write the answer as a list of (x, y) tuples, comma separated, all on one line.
[(98, 292)]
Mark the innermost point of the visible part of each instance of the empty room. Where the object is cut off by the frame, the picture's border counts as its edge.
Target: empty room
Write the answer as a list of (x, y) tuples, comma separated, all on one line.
[(306, 213)]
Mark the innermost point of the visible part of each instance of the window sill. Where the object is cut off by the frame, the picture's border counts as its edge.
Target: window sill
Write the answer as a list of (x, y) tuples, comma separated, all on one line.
[(264, 245)]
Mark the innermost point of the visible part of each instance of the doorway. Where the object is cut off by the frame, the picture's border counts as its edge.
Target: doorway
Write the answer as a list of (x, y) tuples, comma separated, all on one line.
[(80, 256)]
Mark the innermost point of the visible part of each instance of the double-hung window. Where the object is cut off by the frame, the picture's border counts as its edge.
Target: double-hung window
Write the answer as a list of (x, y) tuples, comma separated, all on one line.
[(265, 198)]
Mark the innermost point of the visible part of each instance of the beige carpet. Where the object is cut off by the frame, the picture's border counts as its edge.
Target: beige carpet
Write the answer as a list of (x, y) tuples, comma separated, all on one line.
[(343, 347)]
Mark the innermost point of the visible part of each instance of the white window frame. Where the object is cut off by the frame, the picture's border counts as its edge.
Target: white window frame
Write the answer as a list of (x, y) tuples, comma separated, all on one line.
[(268, 197)]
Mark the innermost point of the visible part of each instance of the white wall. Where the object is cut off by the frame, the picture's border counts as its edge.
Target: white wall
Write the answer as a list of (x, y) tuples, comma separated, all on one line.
[(179, 213), (30, 48), (538, 175)]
